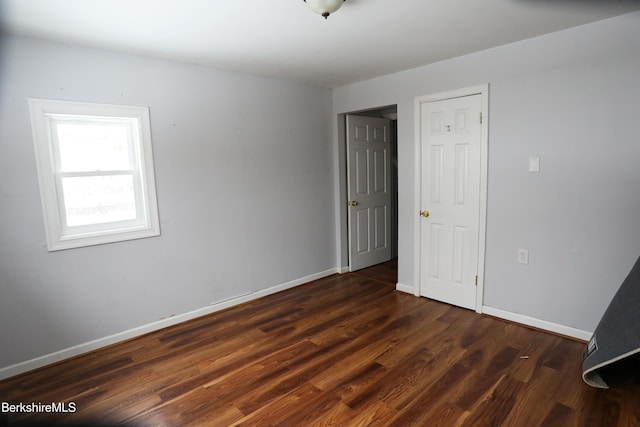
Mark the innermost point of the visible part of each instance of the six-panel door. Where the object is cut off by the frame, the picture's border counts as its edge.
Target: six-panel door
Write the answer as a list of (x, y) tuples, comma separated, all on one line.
[(450, 138)]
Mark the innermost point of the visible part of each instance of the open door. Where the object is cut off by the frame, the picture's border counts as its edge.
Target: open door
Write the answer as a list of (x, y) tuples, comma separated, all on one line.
[(369, 190)]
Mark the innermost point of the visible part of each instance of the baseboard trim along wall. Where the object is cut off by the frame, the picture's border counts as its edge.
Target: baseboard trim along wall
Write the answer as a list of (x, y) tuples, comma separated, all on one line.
[(67, 353), (404, 288), (521, 319), (537, 323), (80, 349)]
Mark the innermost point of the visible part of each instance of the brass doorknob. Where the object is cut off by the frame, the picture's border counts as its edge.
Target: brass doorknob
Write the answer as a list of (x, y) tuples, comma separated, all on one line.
[(424, 214), (353, 203)]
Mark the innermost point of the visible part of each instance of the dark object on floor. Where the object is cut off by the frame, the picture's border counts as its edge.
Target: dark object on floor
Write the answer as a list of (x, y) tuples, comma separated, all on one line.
[(617, 336)]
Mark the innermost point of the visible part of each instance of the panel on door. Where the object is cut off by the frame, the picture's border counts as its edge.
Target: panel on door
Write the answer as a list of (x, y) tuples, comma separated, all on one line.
[(450, 138), (369, 192)]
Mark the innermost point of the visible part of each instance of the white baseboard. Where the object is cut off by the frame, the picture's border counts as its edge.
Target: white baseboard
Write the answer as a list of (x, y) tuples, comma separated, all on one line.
[(77, 350), (404, 288), (537, 323)]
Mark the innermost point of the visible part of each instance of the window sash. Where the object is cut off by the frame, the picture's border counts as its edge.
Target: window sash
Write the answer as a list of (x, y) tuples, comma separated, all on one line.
[(140, 220), (133, 136)]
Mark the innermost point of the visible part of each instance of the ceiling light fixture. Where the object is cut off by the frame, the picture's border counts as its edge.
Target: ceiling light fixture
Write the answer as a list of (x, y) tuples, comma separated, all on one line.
[(324, 7)]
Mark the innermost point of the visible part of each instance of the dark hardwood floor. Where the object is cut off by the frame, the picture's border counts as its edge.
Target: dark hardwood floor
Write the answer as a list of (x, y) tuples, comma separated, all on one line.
[(347, 350)]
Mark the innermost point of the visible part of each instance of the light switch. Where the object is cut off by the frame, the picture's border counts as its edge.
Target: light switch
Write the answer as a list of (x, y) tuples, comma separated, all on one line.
[(523, 256), (534, 164)]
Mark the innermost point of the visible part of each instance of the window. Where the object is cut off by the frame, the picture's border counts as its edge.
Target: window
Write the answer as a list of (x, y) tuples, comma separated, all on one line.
[(95, 170)]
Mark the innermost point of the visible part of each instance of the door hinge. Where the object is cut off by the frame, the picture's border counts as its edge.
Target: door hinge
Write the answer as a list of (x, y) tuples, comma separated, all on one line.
[(476, 280), (480, 117)]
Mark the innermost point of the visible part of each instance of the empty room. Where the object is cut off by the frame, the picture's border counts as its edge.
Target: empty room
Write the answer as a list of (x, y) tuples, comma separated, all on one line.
[(320, 212)]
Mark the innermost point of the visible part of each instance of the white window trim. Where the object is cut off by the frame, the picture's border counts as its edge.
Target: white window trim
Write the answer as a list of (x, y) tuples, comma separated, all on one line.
[(59, 237)]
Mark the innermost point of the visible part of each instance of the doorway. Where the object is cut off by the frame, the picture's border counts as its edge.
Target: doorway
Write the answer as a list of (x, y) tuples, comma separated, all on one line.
[(353, 241)]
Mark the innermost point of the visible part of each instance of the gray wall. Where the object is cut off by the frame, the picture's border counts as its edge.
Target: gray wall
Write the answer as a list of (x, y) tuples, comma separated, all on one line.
[(571, 98), (244, 176)]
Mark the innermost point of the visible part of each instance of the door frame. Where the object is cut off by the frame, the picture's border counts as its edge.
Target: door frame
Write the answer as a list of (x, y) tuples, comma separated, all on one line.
[(483, 91), (342, 241)]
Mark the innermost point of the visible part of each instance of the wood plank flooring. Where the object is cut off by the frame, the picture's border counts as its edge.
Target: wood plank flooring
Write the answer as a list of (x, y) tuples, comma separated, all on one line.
[(347, 350)]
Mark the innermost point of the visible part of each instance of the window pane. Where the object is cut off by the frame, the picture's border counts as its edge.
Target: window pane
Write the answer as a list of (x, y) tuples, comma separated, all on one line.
[(88, 147), (98, 199)]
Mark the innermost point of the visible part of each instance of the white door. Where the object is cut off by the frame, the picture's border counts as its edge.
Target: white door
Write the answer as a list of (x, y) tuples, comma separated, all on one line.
[(450, 142), (369, 190)]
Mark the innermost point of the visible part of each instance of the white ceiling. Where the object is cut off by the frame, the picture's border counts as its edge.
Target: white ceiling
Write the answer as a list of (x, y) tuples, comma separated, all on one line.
[(284, 39)]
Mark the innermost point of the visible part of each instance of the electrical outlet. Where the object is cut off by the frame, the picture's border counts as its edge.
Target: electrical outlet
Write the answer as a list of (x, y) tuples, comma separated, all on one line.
[(523, 256)]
